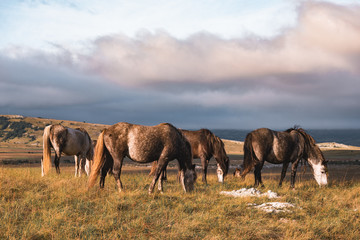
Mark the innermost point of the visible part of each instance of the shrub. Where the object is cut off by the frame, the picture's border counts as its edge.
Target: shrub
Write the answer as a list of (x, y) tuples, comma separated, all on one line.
[(18, 130)]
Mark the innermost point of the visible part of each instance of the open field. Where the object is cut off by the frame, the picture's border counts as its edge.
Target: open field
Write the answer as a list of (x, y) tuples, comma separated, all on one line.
[(59, 207)]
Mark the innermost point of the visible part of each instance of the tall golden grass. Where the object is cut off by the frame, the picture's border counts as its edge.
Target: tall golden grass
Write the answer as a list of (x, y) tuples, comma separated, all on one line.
[(59, 207)]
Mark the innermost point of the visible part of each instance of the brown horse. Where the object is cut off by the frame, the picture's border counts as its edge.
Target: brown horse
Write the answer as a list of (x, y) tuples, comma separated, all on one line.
[(292, 145), (69, 141), (205, 145), (142, 144)]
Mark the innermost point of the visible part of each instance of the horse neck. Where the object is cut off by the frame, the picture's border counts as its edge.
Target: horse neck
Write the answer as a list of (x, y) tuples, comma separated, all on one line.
[(219, 154), (307, 146), (217, 148)]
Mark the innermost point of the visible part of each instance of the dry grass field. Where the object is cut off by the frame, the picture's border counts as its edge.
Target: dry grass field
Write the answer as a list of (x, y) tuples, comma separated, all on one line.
[(60, 207)]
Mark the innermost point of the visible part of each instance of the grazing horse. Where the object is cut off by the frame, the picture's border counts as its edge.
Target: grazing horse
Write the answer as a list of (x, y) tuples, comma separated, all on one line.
[(205, 145), (142, 144), (292, 145), (69, 141)]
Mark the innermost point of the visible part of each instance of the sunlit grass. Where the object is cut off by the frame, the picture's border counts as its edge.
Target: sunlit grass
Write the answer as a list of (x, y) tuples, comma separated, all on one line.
[(59, 207)]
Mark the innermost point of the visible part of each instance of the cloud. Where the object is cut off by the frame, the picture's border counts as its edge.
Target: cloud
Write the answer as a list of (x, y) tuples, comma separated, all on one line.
[(308, 75), (324, 40)]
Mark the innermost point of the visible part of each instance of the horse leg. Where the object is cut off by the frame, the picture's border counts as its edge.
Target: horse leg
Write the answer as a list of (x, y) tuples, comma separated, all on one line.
[(181, 174), (82, 164), (283, 172), (118, 160), (76, 157), (244, 171), (87, 166), (293, 173), (57, 163), (162, 163), (106, 168), (103, 172), (153, 168), (164, 174), (204, 163), (257, 173), (162, 177)]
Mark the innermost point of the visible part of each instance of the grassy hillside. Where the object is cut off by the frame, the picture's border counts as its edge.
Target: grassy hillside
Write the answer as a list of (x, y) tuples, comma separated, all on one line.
[(16, 130)]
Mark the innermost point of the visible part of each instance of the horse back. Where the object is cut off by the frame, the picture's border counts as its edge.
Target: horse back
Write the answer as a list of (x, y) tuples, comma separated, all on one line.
[(143, 143), (200, 142), (273, 146), (77, 142)]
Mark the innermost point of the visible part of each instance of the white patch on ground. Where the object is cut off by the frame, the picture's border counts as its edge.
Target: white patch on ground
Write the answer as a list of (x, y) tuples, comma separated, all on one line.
[(274, 207), (270, 207), (251, 192)]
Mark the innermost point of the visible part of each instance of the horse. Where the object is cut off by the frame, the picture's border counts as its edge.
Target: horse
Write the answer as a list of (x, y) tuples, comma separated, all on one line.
[(142, 144), (292, 145), (205, 145), (70, 142)]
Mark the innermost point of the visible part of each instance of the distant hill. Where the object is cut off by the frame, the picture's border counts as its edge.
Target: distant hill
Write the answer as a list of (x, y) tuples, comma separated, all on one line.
[(28, 131)]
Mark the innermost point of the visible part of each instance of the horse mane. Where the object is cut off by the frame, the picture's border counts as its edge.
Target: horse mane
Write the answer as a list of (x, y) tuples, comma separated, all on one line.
[(213, 139), (308, 139)]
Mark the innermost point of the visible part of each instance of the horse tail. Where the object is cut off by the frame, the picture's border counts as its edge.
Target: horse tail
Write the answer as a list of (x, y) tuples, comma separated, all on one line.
[(249, 156), (46, 161), (98, 160)]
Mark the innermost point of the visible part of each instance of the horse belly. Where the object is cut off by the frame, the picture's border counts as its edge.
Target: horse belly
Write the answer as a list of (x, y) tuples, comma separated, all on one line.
[(272, 158), (143, 151), (73, 144), (71, 149), (142, 156)]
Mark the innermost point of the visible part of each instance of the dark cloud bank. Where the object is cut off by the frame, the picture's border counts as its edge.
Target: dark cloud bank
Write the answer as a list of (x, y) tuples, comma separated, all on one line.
[(307, 75)]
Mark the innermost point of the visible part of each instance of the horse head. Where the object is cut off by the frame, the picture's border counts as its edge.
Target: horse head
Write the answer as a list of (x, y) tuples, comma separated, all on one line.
[(318, 164), (190, 178), (315, 158)]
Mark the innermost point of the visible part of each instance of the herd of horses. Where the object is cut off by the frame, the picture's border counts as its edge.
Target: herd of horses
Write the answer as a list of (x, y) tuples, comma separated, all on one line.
[(163, 143)]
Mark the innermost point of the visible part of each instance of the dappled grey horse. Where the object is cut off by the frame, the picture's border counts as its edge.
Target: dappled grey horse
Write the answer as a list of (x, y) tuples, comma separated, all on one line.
[(142, 144)]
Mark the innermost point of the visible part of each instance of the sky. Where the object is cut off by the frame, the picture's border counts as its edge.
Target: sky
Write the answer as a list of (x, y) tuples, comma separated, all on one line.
[(226, 64)]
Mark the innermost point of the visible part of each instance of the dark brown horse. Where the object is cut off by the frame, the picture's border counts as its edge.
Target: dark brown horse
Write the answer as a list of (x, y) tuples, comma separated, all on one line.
[(292, 145), (143, 144), (205, 145), (66, 141)]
